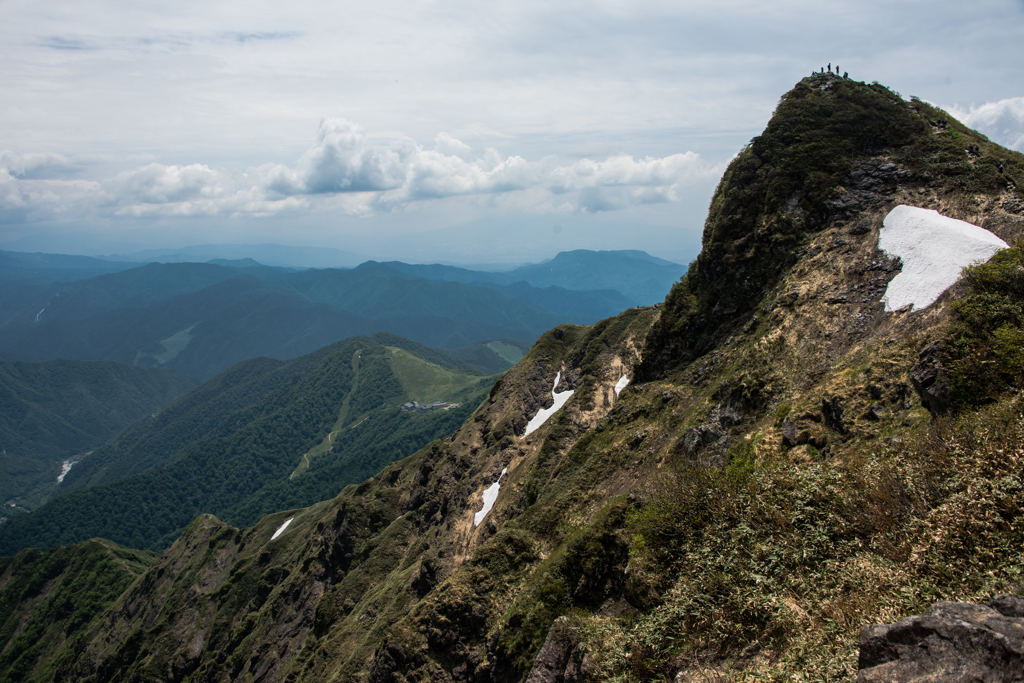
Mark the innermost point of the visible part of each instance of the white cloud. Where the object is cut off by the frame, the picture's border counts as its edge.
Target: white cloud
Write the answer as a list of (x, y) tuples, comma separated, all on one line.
[(1001, 121), (160, 184), (33, 165), (341, 160), (343, 170)]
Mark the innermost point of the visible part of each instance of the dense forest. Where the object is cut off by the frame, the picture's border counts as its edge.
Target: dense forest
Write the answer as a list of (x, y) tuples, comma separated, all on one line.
[(230, 446)]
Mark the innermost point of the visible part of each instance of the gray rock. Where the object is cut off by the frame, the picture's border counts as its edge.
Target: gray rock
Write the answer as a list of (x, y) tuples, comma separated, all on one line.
[(954, 642), (560, 660), (1008, 605), (931, 381), (789, 435), (696, 439), (861, 227), (868, 185)]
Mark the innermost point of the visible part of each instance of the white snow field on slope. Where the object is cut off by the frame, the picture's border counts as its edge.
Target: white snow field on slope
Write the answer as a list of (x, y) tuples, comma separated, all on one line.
[(490, 495), (934, 249), (620, 385), (544, 413), (280, 529)]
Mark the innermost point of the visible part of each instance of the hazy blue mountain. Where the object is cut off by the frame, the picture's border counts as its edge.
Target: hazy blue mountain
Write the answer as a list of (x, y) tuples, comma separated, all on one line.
[(25, 278), (267, 254), (53, 412), (201, 318), (16, 265), (374, 288), (641, 278)]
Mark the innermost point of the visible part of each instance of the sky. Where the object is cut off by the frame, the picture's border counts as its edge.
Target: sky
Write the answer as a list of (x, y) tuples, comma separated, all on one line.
[(460, 132)]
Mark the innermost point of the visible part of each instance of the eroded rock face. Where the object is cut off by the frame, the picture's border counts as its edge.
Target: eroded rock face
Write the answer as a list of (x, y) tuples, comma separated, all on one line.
[(870, 184), (955, 641), (931, 381), (561, 658)]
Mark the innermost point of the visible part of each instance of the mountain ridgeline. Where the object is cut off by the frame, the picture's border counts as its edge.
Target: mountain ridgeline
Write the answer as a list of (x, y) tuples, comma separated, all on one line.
[(769, 480), (202, 318)]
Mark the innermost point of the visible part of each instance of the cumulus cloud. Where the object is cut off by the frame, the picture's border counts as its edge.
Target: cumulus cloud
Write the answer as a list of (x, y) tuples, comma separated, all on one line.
[(159, 184), (343, 160), (34, 165), (344, 169), (1001, 121)]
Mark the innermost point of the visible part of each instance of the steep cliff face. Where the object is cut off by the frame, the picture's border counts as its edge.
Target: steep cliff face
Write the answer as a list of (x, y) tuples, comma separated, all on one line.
[(768, 480)]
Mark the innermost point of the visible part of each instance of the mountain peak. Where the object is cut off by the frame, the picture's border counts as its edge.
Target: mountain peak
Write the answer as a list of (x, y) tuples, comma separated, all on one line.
[(833, 149)]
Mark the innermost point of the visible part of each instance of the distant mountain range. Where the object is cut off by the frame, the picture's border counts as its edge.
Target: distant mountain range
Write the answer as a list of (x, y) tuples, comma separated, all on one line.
[(640, 277), (268, 254), (202, 318)]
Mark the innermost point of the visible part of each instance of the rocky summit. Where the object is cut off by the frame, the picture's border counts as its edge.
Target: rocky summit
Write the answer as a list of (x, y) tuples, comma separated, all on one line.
[(742, 479)]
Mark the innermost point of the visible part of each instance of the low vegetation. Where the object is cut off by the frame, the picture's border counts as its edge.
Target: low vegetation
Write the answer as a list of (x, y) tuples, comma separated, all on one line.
[(760, 570), (986, 343)]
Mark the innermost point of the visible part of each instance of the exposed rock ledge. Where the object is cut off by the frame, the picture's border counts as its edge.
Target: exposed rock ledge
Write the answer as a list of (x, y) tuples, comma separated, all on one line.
[(955, 641)]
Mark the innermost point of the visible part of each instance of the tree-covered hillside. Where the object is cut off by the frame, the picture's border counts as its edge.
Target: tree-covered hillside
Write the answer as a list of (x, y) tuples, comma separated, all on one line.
[(51, 413), (47, 599), (231, 446)]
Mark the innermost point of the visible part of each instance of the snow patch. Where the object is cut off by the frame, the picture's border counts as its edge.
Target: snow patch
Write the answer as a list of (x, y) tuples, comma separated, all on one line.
[(280, 529), (544, 413), (490, 495), (620, 385), (934, 249), (65, 467)]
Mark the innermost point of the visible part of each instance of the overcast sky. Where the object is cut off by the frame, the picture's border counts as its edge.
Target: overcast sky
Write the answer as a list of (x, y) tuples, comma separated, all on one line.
[(367, 126)]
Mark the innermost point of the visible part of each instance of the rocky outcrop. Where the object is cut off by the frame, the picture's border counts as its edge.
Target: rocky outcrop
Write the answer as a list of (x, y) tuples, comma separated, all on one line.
[(832, 411), (931, 381), (868, 185), (561, 658), (955, 641)]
